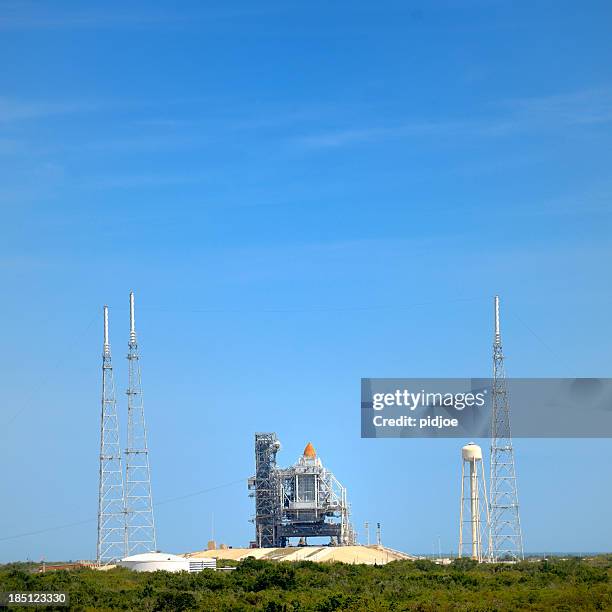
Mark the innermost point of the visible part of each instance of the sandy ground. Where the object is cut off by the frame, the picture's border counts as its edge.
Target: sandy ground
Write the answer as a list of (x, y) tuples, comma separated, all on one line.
[(368, 555)]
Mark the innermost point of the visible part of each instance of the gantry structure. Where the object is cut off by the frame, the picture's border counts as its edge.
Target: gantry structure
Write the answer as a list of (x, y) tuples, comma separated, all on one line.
[(302, 501)]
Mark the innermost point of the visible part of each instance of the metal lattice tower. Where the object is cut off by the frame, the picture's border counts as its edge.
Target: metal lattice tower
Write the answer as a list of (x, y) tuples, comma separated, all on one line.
[(140, 523), (266, 490), (506, 540), (111, 516)]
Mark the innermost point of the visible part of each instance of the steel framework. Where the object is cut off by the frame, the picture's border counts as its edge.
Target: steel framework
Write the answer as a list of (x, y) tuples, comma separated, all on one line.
[(506, 540), (111, 516), (265, 489), (140, 522), (310, 494), (301, 501)]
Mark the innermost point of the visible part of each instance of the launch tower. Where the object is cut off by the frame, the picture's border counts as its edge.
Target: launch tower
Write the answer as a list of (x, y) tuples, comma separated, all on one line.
[(301, 501)]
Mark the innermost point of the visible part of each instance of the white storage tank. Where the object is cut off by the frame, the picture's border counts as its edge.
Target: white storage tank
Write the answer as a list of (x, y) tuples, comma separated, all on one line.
[(471, 452), (156, 561)]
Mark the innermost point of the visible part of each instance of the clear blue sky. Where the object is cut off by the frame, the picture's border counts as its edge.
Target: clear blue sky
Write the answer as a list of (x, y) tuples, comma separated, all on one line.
[(300, 194)]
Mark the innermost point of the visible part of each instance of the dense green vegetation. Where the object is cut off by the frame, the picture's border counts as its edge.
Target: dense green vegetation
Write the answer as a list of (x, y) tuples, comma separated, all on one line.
[(274, 587)]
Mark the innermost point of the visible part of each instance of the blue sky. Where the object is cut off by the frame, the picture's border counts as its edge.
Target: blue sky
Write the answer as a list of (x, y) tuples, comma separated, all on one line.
[(300, 195)]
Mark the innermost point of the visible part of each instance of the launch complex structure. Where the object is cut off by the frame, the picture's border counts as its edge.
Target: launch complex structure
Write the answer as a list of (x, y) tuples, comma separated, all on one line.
[(302, 501)]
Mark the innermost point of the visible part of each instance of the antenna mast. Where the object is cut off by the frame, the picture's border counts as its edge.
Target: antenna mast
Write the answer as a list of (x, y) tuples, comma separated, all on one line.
[(140, 523), (111, 517), (506, 539)]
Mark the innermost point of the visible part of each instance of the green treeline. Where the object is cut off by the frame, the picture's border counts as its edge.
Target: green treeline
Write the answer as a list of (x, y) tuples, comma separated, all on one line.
[(305, 586)]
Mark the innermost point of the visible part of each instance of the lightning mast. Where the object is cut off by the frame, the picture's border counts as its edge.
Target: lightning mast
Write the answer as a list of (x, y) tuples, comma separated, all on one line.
[(506, 540), (140, 523), (111, 517)]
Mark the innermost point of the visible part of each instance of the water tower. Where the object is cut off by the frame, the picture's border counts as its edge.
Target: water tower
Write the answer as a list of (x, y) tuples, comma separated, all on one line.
[(473, 499)]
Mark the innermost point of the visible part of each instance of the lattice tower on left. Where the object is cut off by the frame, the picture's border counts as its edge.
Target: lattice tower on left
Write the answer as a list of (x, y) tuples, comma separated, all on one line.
[(111, 503)]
